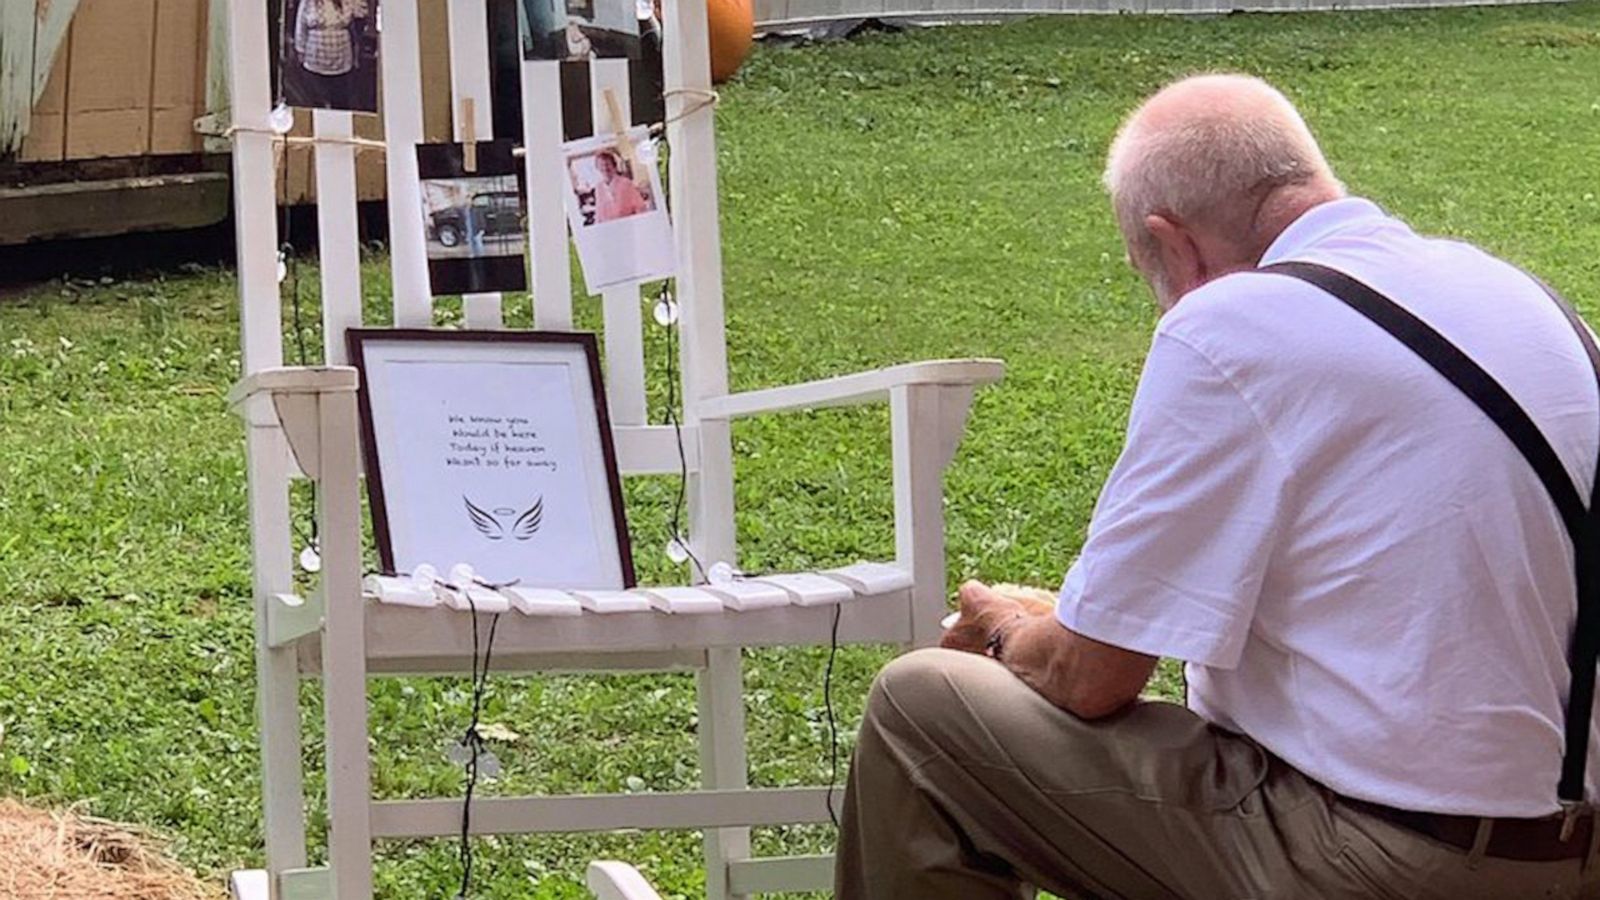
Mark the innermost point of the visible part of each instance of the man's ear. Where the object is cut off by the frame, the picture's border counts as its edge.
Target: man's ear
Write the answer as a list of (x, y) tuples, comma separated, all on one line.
[(1179, 254)]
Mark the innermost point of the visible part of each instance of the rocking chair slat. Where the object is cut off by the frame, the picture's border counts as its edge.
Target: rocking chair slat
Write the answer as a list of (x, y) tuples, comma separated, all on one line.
[(683, 600), (748, 595), (402, 122), (338, 238), (872, 577), (546, 181), (543, 602), (611, 602), (399, 592), (477, 599), (624, 337), (809, 589), (473, 114)]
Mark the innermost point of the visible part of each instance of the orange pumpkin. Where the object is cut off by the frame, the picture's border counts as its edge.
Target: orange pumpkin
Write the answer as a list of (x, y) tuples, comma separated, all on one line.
[(732, 25)]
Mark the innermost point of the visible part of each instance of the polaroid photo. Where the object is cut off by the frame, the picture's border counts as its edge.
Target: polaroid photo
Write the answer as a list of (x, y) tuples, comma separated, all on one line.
[(473, 218), (328, 54), (617, 211), (579, 29)]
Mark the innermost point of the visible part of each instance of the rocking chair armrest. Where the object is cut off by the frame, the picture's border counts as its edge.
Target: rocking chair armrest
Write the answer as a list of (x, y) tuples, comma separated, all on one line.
[(293, 380), (850, 390)]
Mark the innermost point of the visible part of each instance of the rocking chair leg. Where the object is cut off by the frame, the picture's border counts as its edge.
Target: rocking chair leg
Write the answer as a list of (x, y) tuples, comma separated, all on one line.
[(722, 760), (344, 658), (277, 679)]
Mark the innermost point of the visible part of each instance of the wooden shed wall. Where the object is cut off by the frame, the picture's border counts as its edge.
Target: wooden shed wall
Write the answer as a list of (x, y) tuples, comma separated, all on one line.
[(128, 81)]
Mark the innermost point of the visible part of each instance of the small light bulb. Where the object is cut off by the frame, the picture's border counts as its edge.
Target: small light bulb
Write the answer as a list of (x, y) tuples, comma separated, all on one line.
[(666, 312), (489, 764), (677, 551), (283, 267), (310, 559), (423, 577), (281, 119), (722, 573)]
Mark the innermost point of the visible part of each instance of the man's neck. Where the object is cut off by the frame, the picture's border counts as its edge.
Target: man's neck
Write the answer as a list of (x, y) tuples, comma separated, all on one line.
[(1282, 208)]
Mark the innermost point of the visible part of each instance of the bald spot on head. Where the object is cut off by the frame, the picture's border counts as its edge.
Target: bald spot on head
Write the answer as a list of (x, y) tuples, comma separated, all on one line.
[(1225, 155)]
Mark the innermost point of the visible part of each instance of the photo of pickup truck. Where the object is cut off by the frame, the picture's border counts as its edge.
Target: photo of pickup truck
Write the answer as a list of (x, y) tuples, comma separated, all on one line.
[(486, 215)]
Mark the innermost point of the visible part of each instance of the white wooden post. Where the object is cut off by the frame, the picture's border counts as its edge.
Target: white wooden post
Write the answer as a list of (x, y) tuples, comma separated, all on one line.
[(277, 670), (624, 338), (256, 234), (472, 110), (926, 423), (546, 179), (402, 123), (720, 690), (344, 657), (255, 208), (705, 374), (338, 235)]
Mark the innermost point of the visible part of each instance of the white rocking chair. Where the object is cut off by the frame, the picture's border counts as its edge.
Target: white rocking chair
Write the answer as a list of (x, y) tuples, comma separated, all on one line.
[(303, 421)]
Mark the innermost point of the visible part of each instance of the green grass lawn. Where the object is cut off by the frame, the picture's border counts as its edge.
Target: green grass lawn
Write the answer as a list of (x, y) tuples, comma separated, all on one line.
[(903, 197)]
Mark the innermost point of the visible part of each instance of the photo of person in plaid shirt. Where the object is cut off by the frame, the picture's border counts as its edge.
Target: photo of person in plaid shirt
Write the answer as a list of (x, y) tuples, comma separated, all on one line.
[(329, 54)]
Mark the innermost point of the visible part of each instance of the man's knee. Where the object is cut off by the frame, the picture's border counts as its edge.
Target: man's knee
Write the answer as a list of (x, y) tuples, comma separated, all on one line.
[(923, 686)]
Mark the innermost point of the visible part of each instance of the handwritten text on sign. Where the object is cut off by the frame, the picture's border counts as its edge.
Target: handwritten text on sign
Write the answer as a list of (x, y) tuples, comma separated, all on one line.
[(493, 442)]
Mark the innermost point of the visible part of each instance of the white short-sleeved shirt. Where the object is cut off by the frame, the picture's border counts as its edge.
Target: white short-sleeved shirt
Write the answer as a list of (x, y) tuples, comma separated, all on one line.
[(1361, 571)]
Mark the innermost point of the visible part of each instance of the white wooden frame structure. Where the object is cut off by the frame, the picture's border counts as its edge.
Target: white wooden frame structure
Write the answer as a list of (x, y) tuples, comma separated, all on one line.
[(302, 421)]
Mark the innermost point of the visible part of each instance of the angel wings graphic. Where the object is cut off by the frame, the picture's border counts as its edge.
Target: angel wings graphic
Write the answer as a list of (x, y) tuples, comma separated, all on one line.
[(492, 524)]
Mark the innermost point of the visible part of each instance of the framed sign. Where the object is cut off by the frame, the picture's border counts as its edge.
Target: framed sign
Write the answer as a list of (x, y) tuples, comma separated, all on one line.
[(492, 448)]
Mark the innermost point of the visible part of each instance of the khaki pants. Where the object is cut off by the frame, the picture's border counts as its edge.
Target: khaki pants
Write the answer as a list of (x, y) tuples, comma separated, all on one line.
[(968, 785)]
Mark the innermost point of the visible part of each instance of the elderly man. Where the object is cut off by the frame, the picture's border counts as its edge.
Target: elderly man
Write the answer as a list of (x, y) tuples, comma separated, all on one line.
[(1369, 582)]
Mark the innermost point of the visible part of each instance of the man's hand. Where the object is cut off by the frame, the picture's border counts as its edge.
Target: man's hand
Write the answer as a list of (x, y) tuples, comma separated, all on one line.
[(987, 612), (1083, 676)]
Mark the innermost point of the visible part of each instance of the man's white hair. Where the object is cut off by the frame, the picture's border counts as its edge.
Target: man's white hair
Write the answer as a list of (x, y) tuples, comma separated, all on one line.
[(1206, 151)]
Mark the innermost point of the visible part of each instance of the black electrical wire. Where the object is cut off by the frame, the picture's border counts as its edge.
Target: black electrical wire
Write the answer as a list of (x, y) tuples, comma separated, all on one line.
[(833, 722), (472, 741), (291, 265)]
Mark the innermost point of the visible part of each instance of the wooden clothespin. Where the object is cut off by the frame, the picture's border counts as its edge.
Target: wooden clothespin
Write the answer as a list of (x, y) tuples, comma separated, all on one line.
[(469, 135), (619, 126)]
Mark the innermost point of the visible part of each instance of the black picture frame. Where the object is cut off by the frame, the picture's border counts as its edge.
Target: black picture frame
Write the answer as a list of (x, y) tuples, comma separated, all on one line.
[(357, 341), (495, 262)]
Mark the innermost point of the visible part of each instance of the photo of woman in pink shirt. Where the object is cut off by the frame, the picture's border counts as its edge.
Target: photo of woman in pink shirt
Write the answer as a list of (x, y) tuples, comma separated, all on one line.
[(607, 189)]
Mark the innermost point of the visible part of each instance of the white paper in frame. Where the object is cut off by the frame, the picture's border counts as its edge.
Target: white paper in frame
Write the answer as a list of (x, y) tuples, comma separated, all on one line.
[(492, 449), (617, 211)]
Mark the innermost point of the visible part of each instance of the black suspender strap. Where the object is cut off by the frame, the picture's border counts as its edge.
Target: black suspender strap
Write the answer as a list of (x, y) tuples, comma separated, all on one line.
[(1483, 390)]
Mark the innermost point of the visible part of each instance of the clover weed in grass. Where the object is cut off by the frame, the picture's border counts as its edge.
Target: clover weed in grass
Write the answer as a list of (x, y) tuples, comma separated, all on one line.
[(901, 197)]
